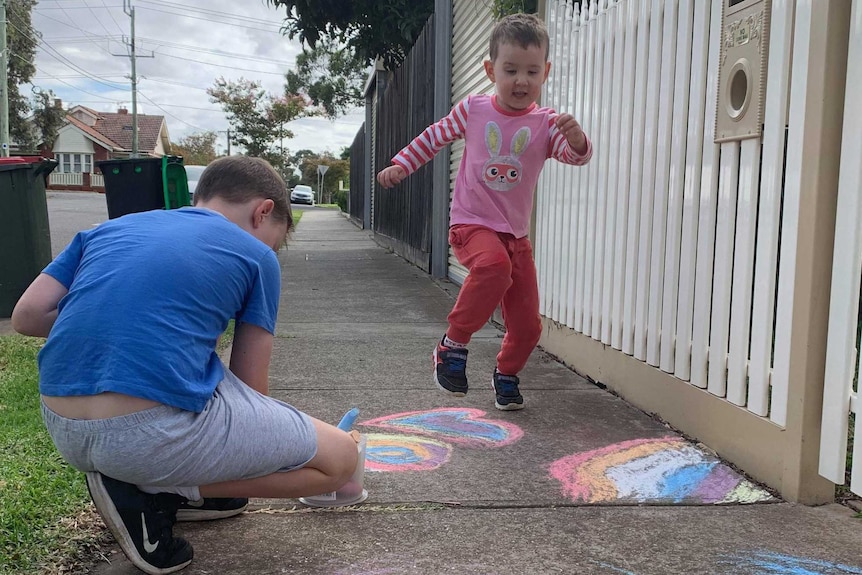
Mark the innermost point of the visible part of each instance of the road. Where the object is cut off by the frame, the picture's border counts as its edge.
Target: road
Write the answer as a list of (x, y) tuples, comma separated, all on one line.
[(71, 212)]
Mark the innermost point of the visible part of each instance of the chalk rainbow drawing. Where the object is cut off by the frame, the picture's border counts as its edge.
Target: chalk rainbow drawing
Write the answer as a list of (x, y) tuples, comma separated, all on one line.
[(645, 470), (385, 452), (462, 426), (768, 563)]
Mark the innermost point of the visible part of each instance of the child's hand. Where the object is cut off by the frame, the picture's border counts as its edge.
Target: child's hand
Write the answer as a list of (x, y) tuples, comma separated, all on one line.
[(571, 130), (391, 176)]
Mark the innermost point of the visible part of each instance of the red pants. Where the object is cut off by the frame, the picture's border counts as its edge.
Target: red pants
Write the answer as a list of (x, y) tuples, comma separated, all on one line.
[(501, 272)]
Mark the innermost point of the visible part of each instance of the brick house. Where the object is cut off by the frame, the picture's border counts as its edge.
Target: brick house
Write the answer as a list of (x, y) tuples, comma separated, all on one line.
[(90, 136)]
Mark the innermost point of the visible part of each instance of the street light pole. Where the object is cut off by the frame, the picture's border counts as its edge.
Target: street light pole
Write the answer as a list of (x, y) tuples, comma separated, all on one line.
[(4, 85)]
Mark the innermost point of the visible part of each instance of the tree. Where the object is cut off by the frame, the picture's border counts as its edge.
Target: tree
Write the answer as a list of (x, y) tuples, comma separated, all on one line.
[(372, 29), (196, 149), (21, 44), (48, 117), (338, 170), (331, 75), (257, 119)]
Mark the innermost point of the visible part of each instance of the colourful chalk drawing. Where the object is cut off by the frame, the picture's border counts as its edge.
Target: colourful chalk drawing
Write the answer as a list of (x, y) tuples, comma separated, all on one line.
[(767, 563), (667, 469), (463, 426), (385, 452)]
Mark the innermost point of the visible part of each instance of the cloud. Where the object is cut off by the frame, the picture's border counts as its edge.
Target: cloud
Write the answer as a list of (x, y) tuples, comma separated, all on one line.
[(191, 45)]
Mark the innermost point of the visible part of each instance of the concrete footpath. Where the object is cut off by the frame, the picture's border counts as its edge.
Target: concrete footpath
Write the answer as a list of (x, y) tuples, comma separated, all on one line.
[(578, 482)]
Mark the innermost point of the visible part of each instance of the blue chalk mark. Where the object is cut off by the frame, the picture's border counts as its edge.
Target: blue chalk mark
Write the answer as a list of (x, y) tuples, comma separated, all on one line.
[(613, 568), (346, 423), (681, 482), (767, 563)]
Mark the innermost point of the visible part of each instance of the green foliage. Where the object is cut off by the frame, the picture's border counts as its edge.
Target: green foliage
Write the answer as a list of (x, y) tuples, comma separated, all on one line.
[(371, 29), (338, 170), (48, 118), (196, 149), (257, 118), (500, 8), (37, 488), (21, 42), (331, 75)]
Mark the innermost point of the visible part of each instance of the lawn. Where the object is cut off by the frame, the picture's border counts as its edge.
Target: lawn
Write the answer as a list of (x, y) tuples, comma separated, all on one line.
[(46, 519)]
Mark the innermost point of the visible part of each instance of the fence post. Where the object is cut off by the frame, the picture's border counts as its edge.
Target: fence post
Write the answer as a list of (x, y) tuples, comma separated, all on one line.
[(442, 105), (811, 189)]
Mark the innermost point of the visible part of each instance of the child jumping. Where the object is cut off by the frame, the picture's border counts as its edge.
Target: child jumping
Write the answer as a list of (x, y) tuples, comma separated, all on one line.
[(508, 137)]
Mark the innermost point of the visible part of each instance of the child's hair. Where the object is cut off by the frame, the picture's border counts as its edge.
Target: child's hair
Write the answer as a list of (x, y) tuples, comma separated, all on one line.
[(237, 179), (525, 30)]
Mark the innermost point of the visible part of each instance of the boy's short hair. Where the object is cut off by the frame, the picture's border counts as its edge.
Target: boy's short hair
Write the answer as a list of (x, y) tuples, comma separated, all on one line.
[(525, 30), (238, 179)]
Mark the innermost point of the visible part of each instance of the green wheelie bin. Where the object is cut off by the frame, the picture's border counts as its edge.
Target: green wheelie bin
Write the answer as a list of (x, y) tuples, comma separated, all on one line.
[(25, 236)]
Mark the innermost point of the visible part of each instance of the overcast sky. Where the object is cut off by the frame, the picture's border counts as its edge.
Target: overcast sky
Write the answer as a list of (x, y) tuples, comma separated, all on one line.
[(193, 42)]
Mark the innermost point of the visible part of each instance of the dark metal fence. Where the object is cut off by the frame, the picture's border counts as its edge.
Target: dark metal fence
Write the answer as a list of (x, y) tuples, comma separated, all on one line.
[(403, 213), (356, 203)]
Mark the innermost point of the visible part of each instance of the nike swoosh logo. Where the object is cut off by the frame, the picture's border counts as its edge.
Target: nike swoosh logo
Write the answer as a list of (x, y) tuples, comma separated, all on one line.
[(198, 503), (148, 547)]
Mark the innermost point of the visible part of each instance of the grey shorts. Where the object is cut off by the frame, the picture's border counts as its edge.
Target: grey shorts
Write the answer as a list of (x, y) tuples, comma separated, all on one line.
[(240, 434)]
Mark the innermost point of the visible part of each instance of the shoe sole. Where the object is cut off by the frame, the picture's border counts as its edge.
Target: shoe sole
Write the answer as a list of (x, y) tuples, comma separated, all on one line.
[(446, 391), (108, 511), (509, 406), (185, 515)]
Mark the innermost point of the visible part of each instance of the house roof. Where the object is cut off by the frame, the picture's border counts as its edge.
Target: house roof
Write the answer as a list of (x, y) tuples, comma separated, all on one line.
[(92, 133), (118, 127), (114, 129)]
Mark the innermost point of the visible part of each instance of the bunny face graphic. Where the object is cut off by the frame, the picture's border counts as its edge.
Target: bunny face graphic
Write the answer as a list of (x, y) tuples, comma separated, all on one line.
[(502, 173)]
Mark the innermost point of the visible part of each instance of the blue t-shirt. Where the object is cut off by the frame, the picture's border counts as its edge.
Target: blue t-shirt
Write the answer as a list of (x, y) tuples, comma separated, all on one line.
[(149, 295)]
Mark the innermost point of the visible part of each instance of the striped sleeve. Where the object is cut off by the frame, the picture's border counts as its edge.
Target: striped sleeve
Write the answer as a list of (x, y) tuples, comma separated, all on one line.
[(435, 137), (559, 149)]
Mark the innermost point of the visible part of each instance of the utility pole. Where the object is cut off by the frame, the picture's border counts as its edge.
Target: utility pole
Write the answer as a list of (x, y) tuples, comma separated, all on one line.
[(227, 132), (132, 54), (4, 85)]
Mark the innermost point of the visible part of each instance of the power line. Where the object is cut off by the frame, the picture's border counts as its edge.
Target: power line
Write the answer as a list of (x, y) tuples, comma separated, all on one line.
[(63, 81), (210, 12), (91, 36), (168, 44), (147, 98), (63, 60), (112, 17), (221, 65), (210, 20)]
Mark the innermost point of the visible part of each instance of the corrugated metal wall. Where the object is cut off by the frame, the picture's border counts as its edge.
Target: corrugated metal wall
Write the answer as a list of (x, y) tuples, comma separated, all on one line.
[(472, 24)]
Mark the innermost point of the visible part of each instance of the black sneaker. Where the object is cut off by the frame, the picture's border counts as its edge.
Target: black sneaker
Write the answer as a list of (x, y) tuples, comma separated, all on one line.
[(141, 523), (210, 508), (450, 369), (506, 387)]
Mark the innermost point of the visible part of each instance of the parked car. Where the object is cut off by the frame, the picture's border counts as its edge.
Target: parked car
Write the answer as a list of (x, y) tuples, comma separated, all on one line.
[(193, 173), (302, 194)]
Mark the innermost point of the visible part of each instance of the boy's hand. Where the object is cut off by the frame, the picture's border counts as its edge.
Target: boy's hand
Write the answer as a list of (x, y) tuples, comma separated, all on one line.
[(571, 130), (391, 176)]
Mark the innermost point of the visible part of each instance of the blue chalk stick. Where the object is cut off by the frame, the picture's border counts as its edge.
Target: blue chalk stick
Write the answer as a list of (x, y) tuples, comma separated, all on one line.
[(349, 419)]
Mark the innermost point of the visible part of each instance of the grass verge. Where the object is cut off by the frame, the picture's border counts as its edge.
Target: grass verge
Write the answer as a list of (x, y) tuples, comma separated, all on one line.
[(46, 519)]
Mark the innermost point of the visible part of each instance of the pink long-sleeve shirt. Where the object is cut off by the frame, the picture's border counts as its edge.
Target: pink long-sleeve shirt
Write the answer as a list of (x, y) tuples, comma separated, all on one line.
[(504, 154)]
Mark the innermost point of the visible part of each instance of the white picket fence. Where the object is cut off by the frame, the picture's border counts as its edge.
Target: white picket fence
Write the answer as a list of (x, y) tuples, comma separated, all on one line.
[(666, 246), (66, 179), (840, 398)]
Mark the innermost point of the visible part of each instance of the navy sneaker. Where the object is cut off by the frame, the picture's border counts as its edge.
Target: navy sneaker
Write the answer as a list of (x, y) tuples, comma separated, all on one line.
[(506, 389), (450, 369), (141, 523), (210, 508)]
